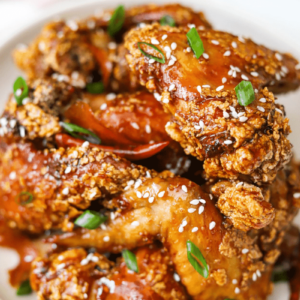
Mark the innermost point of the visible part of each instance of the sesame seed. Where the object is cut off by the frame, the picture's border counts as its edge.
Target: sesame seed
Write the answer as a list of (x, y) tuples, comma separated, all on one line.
[(161, 194), (85, 144), (254, 277), (199, 89), (173, 46), (238, 184), (237, 290), (157, 96), (215, 42), (200, 210), (130, 182), (195, 229), (202, 201), (243, 119), (171, 87), (164, 37), (260, 108), (171, 62), (245, 251), (68, 170), (151, 199), (296, 195), (277, 76), (234, 44), (154, 42), (142, 25), (28, 258), (297, 67), (106, 239), (241, 113), (206, 86), (263, 100), (191, 25), (146, 195), (173, 57), (191, 210), (166, 100), (280, 111), (245, 77), (151, 61), (111, 96), (184, 222), (184, 188), (195, 202), (135, 223), (148, 175), (254, 74), (176, 277), (65, 191), (227, 53), (284, 69), (258, 273), (91, 24), (22, 131), (12, 175), (224, 79), (227, 142), (18, 92), (135, 125), (241, 39), (112, 45), (139, 194), (212, 225), (137, 183), (220, 88), (205, 55), (278, 56), (72, 25), (225, 114), (234, 281), (188, 49), (148, 128)]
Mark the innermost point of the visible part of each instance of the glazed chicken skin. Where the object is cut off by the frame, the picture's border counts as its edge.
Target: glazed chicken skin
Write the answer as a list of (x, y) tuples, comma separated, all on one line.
[(75, 51), (153, 282), (235, 141)]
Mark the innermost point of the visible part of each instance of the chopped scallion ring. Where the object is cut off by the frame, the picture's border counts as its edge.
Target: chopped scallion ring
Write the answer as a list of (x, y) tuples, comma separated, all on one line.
[(95, 88), (194, 254), (167, 20), (77, 131), (245, 93), (20, 90), (90, 219), (24, 289), (130, 260), (24, 198), (116, 21), (160, 60), (195, 42)]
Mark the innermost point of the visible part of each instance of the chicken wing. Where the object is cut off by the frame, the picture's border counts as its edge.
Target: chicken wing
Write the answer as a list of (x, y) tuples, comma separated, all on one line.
[(236, 141)]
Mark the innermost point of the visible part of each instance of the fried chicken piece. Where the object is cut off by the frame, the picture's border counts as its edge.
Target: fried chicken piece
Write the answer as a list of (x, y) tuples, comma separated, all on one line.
[(74, 274), (175, 210), (209, 123), (74, 51), (62, 182)]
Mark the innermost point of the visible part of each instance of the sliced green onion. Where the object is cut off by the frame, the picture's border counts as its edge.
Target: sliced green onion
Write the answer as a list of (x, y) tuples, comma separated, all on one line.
[(95, 87), (24, 289), (24, 198), (195, 42), (160, 60), (117, 20), (130, 260), (76, 132), (167, 20), (194, 254), (245, 93), (279, 276), (20, 90), (90, 219)]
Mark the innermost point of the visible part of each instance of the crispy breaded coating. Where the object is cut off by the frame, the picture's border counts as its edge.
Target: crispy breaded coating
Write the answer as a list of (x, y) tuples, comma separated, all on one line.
[(62, 183), (71, 51), (208, 121)]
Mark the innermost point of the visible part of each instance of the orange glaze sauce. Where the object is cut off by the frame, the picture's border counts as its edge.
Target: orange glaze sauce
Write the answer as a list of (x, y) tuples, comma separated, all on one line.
[(10, 238)]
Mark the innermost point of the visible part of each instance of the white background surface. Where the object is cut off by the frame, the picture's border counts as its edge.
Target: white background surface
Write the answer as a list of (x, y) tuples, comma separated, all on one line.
[(274, 23), (283, 16)]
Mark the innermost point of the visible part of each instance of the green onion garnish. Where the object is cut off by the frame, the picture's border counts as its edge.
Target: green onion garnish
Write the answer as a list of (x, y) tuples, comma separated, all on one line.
[(194, 254), (90, 219), (130, 260), (95, 87), (116, 21), (20, 90), (245, 93), (24, 198), (195, 42), (24, 289), (76, 132), (279, 276), (161, 60), (167, 20)]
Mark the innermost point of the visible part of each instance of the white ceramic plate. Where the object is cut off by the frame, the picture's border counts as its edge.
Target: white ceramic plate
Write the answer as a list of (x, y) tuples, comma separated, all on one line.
[(221, 16)]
